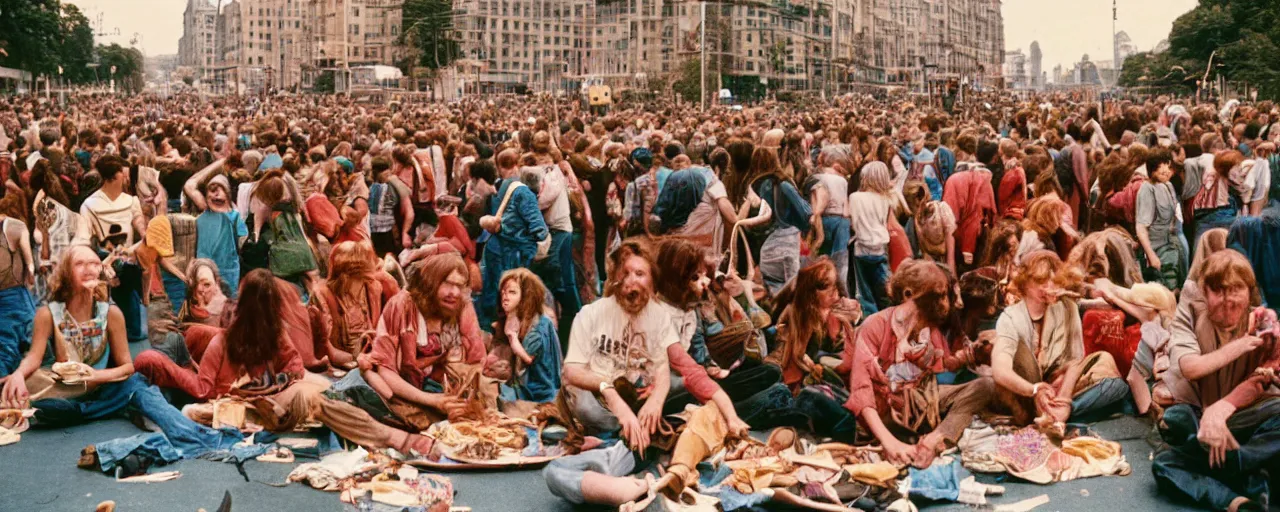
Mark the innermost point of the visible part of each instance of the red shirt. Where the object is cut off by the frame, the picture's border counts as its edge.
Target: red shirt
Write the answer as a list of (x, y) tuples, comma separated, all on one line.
[(1013, 193), (873, 353), (968, 193)]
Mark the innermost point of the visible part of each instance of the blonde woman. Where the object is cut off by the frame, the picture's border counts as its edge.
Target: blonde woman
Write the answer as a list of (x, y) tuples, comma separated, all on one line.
[(869, 211)]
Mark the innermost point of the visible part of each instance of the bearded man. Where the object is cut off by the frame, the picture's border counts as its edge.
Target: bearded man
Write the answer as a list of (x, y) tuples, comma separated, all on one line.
[(426, 331), (899, 351), (1222, 432), (621, 351)]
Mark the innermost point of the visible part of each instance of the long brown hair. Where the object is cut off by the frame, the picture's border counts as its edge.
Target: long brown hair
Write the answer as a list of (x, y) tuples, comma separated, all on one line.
[(532, 296), (61, 287), (257, 327), (803, 316), (679, 261), (351, 266), (427, 279)]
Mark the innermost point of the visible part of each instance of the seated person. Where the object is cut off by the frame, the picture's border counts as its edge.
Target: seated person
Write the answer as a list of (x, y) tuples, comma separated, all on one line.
[(1038, 357), (426, 332), (79, 331), (253, 358), (616, 378), (526, 349), (1221, 430), (353, 297), (894, 363)]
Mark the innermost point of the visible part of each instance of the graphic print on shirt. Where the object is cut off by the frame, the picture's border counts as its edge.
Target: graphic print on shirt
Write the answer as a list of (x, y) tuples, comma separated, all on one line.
[(626, 357)]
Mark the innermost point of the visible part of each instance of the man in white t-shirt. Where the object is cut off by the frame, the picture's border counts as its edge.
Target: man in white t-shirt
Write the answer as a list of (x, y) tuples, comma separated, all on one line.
[(112, 220)]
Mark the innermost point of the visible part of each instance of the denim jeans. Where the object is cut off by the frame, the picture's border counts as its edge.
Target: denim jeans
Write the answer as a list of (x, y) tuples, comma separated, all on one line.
[(1107, 397), (176, 288), (498, 258), (128, 297), (17, 315), (1220, 218), (740, 385), (105, 401), (557, 272), (872, 273), (179, 437), (564, 475), (1184, 470), (780, 258)]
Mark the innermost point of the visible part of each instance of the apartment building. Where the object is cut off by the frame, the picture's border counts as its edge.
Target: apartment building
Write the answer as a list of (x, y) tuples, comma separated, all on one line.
[(198, 44)]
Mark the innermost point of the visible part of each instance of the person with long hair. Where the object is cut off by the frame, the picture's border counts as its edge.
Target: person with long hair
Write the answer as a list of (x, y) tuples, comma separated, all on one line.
[(427, 331), (517, 226), (358, 289), (970, 196), (206, 295), (1038, 357), (828, 190), (1156, 220), (893, 367), (780, 251), (525, 338), (253, 358)]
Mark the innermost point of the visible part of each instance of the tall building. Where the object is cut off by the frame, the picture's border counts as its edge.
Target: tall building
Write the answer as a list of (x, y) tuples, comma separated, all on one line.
[(1015, 70), (261, 43), (198, 44), (1035, 60)]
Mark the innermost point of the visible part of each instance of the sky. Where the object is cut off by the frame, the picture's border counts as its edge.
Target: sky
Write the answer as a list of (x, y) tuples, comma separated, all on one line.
[(1069, 29), (1065, 33), (158, 23)]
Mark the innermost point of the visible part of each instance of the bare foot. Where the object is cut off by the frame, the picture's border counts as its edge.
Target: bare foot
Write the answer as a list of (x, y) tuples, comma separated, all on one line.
[(591, 443)]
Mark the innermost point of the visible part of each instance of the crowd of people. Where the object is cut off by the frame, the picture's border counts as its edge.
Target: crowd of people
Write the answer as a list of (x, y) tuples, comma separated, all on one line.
[(866, 269)]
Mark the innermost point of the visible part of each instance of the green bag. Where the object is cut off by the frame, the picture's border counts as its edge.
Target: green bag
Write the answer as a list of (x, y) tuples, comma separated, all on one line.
[(289, 253)]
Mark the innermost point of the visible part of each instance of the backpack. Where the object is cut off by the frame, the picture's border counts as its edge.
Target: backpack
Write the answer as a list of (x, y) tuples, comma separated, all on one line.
[(289, 254), (1065, 172)]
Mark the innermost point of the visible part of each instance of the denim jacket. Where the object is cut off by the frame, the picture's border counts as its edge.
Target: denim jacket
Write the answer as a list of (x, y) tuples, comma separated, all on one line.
[(789, 207), (522, 223)]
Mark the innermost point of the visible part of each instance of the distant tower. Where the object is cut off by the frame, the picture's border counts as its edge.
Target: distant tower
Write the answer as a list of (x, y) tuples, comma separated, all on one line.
[(1036, 57)]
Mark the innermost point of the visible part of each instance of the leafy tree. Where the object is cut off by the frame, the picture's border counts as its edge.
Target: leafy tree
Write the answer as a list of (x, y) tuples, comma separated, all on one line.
[(688, 81), (75, 49), (128, 64), (1242, 36), (428, 29), (30, 35)]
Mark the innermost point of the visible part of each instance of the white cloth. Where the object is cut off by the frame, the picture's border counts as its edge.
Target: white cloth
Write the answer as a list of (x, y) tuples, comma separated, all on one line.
[(100, 209), (612, 343), (553, 199), (869, 214)]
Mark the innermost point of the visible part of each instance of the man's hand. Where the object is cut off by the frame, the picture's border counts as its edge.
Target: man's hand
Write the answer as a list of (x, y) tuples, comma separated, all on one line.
[(635, 434), (1153, 261), (1245, 345), (406, 241), (1214, 434), (445, 403), (738, 429), (650, 415)]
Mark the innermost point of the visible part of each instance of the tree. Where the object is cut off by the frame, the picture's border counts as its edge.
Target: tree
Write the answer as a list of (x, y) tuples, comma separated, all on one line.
[(128, 64), (75, 49), (688, 82), (428, 29), (1242, 35), (30, 35)]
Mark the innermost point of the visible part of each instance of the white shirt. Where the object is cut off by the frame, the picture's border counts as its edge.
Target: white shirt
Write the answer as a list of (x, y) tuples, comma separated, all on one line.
[(99, 209), (553, 199), (612, 343), (868, 215)]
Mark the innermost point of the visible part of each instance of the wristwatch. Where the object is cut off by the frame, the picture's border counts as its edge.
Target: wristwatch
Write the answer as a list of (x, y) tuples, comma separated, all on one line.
[(605, 385), (1035, 389)]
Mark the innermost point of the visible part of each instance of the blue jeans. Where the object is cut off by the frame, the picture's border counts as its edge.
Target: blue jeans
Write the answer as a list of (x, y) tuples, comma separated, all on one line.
[(557, 273), (872, 273), (128, 297), (1219, 218), (1184, 470), (180, 437), (1107, 397), (780, 258), (17, 314), (176, 288)]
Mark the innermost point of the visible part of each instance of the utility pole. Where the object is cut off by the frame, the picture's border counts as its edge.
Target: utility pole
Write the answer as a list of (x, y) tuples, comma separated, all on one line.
[(1115, 48), (702, 47)]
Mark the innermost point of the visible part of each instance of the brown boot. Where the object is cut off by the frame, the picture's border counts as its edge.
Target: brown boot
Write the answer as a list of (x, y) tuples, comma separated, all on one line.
[(89, 460)]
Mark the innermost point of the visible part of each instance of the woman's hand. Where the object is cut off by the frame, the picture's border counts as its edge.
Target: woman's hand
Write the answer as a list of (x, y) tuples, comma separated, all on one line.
[(1214, 434), (650, 415), (1153, 261), (15, 394), (899, 453)]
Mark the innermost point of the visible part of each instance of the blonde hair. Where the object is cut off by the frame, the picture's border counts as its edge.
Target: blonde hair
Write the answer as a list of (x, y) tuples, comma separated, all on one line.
[(875, 178), (1210, 242)]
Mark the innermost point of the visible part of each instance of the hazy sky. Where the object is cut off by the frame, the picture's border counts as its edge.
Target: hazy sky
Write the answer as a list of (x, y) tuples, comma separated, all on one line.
[(1069, 29), (1066, 29)]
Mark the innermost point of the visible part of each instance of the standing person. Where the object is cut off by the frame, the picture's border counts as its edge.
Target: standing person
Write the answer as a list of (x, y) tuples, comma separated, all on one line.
[(1012, 197), (780, 252), (1216, 205), (695, 206), (641, 195), (525, 338), (113, 220), (220, 228), (516, 226), (829, 193), (1220, 431), (1156, 223), (869, 211), (557, 269), (17, 309), (56, 225), (390, 210), (971, 199), (1038, 358)]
